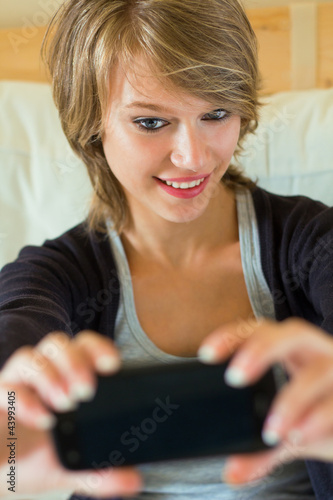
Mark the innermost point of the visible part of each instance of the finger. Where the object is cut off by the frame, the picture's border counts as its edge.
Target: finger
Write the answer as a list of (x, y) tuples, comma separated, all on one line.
[(224, 341), (73, 364), (240, 469), (314, 432), (31, 368), (38, 448), (277, 342), (79, 359), (280, 342), (123, 481), (101, 350), (26, 406), (304, 393)]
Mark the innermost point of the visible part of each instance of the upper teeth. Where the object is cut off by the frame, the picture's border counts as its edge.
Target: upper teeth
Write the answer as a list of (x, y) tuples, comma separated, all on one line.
[(184, 185)]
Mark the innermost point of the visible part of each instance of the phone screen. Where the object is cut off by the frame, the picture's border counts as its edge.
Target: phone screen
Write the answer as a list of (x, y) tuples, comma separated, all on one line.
[(163, 413)]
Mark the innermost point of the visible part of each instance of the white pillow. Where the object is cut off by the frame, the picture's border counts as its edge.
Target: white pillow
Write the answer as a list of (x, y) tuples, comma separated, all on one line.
[(45, 189), (292, 150)]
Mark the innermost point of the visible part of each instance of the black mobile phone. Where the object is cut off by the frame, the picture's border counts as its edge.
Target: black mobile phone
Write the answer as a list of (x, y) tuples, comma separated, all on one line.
[(164, 412)]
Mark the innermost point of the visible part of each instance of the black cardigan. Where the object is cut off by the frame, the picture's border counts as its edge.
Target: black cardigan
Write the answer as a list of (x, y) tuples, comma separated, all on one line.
[(70, 283)]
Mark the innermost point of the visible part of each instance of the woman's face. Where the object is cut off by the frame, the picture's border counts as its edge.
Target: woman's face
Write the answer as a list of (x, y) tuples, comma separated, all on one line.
[(169, 152)]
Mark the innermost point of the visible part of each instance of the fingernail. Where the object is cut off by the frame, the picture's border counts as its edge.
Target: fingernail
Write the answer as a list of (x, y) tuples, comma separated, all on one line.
[(207, 354), (107, 364), (46, 422), (63, 403), (271, 431), (82, 391), (235, 377), (271, 437)]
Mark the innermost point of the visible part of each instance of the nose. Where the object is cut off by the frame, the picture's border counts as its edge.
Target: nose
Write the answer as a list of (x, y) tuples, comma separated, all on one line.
[(190, 149)]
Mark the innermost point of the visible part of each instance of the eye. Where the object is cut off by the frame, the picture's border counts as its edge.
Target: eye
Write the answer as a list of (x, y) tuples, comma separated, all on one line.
[(150, 124), (218, 114)]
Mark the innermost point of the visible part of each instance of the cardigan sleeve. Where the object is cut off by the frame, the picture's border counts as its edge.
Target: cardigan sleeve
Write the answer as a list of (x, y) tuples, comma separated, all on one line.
[(309, 275), (66, 284), (57, 286), (296, 243)]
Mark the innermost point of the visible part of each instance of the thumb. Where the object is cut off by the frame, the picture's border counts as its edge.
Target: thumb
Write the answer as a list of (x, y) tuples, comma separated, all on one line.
[(252, 467), (105, 482)]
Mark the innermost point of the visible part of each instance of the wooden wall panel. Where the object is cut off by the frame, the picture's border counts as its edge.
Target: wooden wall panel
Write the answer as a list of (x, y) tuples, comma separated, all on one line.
[(19, 49), (19, 54), (325, 46), (272, 27)]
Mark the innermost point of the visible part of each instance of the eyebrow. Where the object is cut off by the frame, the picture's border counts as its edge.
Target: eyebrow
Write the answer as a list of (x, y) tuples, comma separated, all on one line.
[(147, 105)]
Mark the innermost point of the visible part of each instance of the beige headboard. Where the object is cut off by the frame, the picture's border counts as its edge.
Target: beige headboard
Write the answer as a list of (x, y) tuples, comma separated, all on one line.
[(295, 48)]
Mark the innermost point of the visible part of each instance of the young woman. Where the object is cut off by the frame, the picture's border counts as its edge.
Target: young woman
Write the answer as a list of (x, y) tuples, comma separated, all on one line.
[(181, 255)]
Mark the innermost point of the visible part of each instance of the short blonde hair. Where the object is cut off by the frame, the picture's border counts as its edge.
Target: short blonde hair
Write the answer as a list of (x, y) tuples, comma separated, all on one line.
[(205, 48)]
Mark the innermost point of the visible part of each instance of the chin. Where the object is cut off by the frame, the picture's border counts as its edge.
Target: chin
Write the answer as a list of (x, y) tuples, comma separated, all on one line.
[(184, 215)]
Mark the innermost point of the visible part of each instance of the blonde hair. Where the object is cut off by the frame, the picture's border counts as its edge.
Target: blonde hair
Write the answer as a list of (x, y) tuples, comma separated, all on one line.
[(205, 48)]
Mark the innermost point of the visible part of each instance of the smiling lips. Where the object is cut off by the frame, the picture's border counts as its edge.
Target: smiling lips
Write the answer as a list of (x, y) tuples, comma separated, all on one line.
[(184, 187)]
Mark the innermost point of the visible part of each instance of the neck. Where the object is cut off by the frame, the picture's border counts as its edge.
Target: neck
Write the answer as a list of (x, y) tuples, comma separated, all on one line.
[(179, 245)]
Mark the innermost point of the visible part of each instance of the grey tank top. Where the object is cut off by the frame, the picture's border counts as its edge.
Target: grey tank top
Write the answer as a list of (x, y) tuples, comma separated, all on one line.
[(201, 478)]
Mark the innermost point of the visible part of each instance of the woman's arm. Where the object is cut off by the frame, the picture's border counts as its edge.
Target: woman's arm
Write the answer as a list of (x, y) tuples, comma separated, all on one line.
[(65, 375), (67, 284)]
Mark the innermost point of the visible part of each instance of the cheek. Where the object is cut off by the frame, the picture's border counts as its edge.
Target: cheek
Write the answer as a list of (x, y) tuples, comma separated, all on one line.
[(120, 145), (133, 159), (121, 155), (227, 139)]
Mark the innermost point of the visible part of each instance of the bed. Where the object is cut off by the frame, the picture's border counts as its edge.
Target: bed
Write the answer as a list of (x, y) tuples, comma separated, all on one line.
[(44, 188)]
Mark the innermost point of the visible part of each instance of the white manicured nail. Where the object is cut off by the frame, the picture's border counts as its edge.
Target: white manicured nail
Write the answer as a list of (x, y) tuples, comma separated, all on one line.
[(46, 422), (270, 437), (107, 364), (235, 377), (64, 403), (207, 354), (82, 392)]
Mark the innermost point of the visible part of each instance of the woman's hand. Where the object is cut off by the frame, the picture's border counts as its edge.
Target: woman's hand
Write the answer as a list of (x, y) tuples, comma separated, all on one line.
[(300, 421), (57, 373)]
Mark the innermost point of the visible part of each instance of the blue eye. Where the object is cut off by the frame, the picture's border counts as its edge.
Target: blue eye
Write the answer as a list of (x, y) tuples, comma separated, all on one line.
[(218, 114), (150, 124)]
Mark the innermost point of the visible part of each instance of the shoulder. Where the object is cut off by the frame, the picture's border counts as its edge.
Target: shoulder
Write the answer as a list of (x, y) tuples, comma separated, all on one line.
[(76, 243), (285, 214), (293, 230), (287, 206), (76, 255)]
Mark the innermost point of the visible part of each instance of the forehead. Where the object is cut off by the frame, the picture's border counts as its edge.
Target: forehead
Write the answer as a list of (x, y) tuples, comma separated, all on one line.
[(139, 85)]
